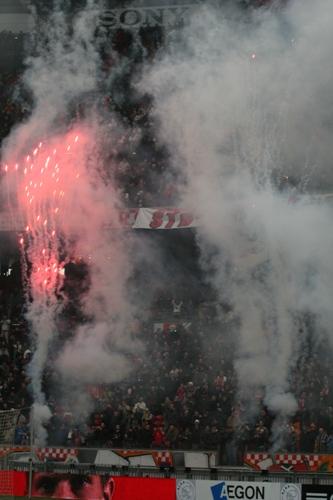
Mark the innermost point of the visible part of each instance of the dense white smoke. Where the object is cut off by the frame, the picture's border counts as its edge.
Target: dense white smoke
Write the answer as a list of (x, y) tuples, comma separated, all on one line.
[(241, 103), (78, 207)]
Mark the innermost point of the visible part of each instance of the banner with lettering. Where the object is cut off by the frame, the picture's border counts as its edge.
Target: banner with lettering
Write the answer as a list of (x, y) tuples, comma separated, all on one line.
[(170, 16), (164, 218), (236, 490)]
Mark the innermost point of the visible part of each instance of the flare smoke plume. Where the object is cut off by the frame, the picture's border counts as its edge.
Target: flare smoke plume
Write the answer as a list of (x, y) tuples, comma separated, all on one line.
[(244, 100), (55, 166)]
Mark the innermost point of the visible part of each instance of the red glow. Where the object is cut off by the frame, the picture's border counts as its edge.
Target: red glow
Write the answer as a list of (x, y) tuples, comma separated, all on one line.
[(41, 196)]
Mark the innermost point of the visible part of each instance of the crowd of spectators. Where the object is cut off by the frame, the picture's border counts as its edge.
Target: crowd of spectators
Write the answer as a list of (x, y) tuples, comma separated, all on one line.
[(183, 392), (15, 353)]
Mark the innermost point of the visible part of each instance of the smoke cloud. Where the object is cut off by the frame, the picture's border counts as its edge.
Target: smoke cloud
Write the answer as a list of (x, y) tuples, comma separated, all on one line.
[(244, 99), (69, 204)]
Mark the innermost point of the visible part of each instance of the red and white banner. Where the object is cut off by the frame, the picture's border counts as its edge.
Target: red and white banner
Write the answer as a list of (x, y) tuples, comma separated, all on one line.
[(164, 218), (289, 462), (56, 454)]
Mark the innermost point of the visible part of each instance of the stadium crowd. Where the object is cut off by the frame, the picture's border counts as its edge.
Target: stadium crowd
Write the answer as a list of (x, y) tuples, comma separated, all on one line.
[(183, 393)]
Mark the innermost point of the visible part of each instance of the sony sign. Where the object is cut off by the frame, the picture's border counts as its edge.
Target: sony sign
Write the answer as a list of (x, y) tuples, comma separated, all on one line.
[(137, 17)]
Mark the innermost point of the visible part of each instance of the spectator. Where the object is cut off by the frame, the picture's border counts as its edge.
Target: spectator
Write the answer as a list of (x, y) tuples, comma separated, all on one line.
[(260, 437), (320, 445), (308, 438), (172, 437), (159, 438)]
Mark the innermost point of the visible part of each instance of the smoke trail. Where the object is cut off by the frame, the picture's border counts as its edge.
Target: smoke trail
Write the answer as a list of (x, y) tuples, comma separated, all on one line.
[(241, 103), (69, 208)]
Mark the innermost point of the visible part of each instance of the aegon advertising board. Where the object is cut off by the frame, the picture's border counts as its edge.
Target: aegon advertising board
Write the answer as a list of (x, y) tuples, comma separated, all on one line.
[(236, 490)]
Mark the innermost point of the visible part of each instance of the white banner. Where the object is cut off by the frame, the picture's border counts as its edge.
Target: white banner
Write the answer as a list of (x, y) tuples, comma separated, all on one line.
[(236, 490), (164, 218)]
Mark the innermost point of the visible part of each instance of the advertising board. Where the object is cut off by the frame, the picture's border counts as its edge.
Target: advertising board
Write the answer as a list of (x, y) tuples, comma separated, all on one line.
[(96, 487), (236, 490), (13, 483), (317, 492)]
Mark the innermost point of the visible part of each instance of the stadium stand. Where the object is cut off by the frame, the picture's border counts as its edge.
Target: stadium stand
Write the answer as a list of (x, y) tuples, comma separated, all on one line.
[(180, 396)]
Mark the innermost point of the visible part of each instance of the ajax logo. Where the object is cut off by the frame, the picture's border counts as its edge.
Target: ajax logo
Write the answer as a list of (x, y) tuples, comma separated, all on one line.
[(290, 492), (185, 490)]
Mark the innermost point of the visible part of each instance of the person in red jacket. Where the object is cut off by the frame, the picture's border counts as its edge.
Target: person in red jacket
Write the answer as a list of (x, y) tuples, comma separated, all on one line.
[(159, 440)]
